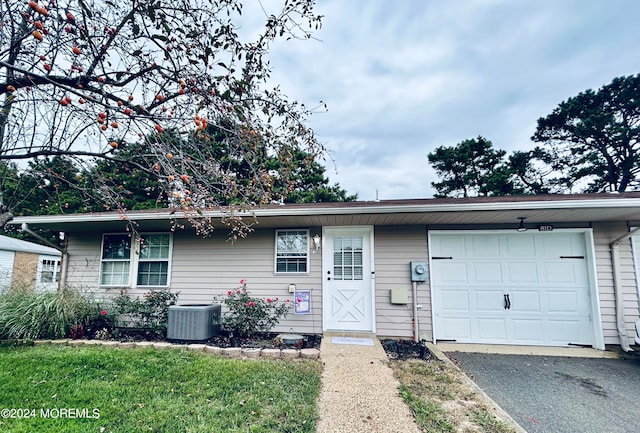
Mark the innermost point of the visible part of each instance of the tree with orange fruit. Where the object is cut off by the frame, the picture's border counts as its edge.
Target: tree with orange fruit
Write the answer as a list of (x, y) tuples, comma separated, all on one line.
[(79, 79)]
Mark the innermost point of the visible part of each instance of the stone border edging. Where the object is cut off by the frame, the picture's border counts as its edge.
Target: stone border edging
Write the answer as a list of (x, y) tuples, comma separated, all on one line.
[(228, 352)]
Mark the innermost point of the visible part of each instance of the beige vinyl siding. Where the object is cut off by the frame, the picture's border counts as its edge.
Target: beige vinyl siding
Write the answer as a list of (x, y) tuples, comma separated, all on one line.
[(204, 269), (604, 234), (83, 267), (395, 248)]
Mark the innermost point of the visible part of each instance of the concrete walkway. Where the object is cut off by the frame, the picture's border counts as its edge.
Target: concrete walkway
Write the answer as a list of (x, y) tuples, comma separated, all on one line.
[(359, 393)]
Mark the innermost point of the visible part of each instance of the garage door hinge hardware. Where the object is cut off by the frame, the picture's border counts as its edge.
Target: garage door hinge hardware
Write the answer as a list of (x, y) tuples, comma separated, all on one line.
[(572, 257), (442, 258)]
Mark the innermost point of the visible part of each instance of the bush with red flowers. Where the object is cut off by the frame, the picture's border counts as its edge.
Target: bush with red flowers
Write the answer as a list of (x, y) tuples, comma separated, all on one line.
[(247, 316)]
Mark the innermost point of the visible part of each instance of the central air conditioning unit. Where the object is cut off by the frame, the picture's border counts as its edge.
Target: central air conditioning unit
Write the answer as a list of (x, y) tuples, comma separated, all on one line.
[(194, 322)]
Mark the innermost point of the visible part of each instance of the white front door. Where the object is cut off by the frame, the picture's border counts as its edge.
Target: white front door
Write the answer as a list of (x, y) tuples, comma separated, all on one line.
[(348, 301), (528, 288)]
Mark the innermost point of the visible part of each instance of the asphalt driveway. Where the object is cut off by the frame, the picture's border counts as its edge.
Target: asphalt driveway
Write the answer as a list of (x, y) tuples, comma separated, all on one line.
[(558, 394)]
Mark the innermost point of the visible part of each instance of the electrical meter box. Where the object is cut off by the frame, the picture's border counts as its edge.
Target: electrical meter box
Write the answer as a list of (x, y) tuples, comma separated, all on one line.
[(419, 272)]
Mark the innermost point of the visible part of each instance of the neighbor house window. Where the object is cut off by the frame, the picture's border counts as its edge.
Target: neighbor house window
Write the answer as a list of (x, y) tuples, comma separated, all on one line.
[(146, 257), (50, 272), (292, 251)]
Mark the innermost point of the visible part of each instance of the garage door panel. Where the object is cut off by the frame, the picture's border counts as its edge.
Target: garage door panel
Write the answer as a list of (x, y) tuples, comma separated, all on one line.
[(485, 246), (528, 331), (563, 271), (564, 331), (525, 301), (456, 328), (549, 295), (522, 272), (566, 244), (491, 329), (455, 301), (451, 246), (565, 302), (488, 300), (520, 246), (452, 273), (487, 272)]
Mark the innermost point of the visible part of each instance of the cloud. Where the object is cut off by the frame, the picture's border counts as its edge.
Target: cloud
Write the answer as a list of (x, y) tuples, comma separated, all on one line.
[(402, 78)]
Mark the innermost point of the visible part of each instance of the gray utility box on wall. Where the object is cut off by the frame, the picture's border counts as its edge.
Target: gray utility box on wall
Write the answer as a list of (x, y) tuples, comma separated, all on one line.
[(195, 322)]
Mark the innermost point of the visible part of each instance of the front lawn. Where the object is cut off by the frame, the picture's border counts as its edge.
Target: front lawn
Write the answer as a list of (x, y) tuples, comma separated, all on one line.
[(97, 389)]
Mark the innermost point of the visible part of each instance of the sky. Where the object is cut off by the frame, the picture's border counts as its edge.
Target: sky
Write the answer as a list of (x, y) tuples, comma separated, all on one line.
[(402, 78)]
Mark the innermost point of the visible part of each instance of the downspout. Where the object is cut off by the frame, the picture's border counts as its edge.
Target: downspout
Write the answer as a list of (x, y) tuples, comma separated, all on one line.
[(617, 288), (65, 254)]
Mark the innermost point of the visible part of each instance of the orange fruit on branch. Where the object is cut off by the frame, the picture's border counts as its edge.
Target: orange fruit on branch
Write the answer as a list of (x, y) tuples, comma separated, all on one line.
[(36, 34)]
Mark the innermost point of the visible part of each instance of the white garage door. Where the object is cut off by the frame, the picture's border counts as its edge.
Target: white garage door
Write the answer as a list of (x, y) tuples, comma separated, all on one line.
[(511, 288)]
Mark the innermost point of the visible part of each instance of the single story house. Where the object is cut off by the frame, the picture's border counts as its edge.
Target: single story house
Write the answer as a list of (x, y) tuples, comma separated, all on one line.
[(27, 264), (553, 270)]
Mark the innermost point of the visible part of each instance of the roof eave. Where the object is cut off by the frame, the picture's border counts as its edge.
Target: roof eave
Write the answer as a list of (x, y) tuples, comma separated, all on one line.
[(336, 210)]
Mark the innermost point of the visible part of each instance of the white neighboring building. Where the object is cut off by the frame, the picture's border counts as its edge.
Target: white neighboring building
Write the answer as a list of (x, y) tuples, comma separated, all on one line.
[(28, 264)]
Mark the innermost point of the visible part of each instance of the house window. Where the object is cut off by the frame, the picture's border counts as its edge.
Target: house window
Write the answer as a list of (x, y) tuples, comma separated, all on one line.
[(153, 265), (292, 251), (50, 272), (145, 256)]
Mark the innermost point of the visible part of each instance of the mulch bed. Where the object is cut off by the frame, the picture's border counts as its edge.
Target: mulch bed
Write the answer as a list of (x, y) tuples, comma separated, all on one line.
[(264, 341), (406, 349)]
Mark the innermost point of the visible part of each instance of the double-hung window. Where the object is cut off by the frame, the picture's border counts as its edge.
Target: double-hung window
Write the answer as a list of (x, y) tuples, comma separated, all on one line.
[(292, 251), (142, 260)]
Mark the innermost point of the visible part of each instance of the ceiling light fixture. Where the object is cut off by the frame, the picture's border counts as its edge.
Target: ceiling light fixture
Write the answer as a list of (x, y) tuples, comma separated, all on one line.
[(521, 227)]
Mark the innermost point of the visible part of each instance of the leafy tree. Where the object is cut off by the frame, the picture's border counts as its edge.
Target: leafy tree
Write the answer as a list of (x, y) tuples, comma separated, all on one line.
[(308, 182), (531, 172), (305, 181), (82, 78), (471, 168), (594, 138), (10, 178)]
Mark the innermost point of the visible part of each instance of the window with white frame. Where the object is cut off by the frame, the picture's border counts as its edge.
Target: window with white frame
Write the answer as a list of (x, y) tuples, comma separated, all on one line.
[(292, 251), (50, 271), (143, 259)]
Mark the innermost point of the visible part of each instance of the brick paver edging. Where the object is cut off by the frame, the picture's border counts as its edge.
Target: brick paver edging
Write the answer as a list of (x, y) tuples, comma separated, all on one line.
[(229, 352)]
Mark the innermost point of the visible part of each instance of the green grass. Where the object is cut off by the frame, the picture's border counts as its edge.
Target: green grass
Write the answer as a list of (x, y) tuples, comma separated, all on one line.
[(441, 401), (429, 415), (151, 390)]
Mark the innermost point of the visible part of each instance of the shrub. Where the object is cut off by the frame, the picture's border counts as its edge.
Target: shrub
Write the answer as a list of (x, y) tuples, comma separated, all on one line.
[(247, 315), (147, 314), (25, 314)]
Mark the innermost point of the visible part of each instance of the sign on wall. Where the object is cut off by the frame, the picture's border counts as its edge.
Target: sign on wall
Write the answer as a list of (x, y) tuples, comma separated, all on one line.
[(302, 302)]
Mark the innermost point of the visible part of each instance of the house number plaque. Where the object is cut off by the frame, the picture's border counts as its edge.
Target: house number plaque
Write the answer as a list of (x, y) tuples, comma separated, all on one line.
[(546, 228)]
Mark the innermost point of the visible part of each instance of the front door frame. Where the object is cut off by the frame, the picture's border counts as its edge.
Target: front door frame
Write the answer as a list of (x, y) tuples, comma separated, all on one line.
[(327, 249)]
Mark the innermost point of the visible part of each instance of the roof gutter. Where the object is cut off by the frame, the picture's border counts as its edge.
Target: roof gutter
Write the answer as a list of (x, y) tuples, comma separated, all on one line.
[(617, 288), (65, 255)]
